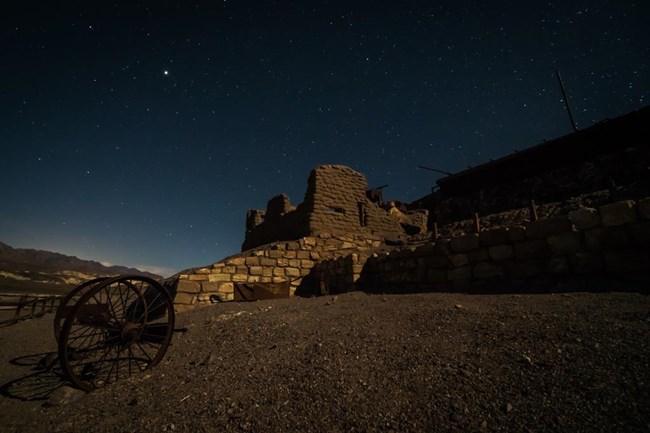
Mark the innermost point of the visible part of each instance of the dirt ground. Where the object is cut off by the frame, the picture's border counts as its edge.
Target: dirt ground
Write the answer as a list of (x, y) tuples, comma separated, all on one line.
[(354, 363)]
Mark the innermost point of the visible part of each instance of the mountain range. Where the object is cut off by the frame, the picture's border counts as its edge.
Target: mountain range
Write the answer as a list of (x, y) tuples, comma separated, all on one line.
[(29, 270)]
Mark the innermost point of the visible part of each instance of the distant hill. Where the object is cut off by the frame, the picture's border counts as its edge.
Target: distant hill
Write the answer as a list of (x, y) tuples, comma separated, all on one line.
[(24, 269)]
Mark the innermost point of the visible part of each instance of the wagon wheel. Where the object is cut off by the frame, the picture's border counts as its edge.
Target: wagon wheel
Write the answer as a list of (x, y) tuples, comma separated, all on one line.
[(67, 303), (119, 327)]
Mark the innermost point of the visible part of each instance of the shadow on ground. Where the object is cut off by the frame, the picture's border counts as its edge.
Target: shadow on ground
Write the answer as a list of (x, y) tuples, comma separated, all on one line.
[(39, 385)]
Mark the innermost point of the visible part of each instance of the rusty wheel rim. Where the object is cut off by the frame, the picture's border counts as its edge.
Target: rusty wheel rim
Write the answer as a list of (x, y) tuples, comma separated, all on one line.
[(118, 328), (69, 300)]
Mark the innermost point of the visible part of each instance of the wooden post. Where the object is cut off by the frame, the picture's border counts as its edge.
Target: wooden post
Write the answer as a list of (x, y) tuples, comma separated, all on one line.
[(436, 235), (533, 211), (477, 223)]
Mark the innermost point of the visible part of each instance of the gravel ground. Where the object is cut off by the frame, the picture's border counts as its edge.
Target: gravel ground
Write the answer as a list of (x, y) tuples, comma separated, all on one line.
[(353, 363)]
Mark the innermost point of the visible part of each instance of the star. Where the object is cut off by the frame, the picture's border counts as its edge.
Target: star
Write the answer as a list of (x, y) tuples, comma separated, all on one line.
[(165, 72)]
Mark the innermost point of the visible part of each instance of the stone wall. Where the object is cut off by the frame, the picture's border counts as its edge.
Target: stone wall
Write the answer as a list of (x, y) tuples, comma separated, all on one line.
[(335, 202), (587, 249), (274, 263)]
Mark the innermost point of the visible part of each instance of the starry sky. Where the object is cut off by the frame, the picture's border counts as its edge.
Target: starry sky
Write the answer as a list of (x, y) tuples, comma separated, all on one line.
[(139, 133)]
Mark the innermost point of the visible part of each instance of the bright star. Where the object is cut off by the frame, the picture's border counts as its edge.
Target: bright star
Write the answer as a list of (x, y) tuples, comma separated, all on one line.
[(165, 72)]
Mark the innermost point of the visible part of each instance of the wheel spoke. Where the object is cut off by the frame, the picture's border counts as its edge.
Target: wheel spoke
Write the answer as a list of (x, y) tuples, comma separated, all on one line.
[(118, 327)]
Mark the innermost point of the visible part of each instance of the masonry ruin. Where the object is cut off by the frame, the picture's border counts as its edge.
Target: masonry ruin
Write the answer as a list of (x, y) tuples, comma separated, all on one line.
[(570, 214), (336, 201)]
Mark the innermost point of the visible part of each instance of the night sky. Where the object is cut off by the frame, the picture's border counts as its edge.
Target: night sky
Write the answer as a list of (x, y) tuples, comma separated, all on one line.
[(139, 134)]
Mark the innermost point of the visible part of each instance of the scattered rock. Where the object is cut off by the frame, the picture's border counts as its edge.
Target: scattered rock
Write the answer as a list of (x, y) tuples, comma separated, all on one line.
[(63, 396), (209, 360)]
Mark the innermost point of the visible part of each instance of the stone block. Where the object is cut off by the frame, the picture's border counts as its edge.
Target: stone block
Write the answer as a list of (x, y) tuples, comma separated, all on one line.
[(184, 298), (517, 233), (240, 278), (501, 252), (199, 277), (219, 277), (188, 286), (278, 272), (436, 275), (267, 271), (309, 240), (252, 261), (201, 271), (204, 298), (557, 265), (523, 268), (531, 249), (607, 237), (479, 255), (584, 218), (441, 247), (615, 214), (294, 263), (255, 270), (494, 237), (433, 262), (253, 279), (409, 264), (544, 228), (458, 260), (639, 233), (314, 255), (207, 286), (565, 243), (627, 261), (264, 261), (644, 208), (303, 255), (241, 270), (465, 243), (226, 288), (307, 264), (586, 262), (462, 273), (484, 270), (275, 254), (283, 262), (461, 284), (236, 261)]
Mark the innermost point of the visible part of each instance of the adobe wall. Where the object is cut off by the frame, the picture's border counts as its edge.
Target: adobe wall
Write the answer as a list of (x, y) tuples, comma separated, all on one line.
[(588, 249), (335, 202)]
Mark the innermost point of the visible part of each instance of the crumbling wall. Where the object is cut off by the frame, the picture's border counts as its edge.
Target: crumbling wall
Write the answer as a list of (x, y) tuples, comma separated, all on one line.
[(589, 249), (335, 202), (279, 222)]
